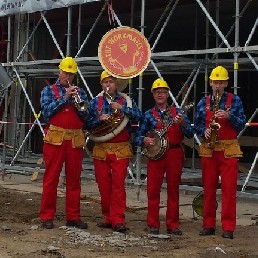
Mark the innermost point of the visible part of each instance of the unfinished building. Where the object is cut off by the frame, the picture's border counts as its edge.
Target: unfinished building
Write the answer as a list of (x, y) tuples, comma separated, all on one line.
[(187, 38)]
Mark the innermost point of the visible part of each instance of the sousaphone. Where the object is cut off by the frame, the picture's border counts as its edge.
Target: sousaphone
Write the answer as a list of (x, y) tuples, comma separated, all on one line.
[(124, 53), (108, 130)]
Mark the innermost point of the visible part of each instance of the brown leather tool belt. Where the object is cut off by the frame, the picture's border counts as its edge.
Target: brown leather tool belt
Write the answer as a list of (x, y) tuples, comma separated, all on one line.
[(231, 148), (56, 135), (122, 150)]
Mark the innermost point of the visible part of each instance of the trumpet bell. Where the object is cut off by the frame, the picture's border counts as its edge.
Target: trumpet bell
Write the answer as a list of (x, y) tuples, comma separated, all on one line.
[(81, 105)]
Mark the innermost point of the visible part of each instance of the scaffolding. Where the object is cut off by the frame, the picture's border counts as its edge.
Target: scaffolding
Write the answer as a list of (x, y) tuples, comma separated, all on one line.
[(27, 64)]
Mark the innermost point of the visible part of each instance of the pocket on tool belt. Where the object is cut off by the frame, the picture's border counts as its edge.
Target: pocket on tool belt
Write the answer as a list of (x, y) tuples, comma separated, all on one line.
[(124, 151), (54, 137), (232, 150), (99, 152), (204, 151), (78, 140)]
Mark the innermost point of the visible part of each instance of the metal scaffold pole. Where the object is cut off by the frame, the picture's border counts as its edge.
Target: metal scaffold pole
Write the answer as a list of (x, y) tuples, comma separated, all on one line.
[(170, 56), (236, 54), (140, 90)]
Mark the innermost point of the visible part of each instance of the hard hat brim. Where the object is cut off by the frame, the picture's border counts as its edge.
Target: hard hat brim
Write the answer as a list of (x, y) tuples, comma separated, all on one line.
[(160, 87)]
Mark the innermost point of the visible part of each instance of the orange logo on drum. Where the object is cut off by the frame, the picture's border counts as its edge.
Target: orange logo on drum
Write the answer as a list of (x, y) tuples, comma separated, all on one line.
[(124, 52)]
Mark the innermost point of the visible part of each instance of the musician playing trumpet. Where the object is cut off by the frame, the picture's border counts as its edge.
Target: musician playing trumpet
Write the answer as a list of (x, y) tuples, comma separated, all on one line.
[(174, 125), (63, 143), (109, 111), (219, 118)]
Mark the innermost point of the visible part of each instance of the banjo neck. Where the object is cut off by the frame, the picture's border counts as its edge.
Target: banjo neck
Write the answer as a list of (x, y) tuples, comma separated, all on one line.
[(183, 110)]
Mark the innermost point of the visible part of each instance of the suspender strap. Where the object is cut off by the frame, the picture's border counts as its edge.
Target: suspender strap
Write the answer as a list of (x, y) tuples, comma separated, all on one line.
[(56, 92), (173, 111), (208, 102), (229, 100), (100, 103), (227, 104), (157, 117)]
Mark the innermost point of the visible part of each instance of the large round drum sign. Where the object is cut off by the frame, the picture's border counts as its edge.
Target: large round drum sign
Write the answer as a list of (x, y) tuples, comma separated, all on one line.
[(124, 52)]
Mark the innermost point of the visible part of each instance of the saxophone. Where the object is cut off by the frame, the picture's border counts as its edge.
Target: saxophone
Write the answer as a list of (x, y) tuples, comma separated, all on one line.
[(214, 125)]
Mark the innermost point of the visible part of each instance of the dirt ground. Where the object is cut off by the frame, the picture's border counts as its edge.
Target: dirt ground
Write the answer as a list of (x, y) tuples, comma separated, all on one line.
[(21, 234)]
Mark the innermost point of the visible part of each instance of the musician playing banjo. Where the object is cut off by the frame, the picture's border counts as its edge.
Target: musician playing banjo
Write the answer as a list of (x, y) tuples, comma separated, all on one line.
[(163, 125), (110, 113)]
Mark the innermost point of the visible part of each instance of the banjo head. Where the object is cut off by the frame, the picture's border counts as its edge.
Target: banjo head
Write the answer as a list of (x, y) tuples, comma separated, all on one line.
[(156, 151)]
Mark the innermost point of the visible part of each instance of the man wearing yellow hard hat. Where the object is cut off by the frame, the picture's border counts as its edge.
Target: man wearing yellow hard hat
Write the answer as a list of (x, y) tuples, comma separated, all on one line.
[(163, 129), (219, 118), (111, 112), (63, 143)]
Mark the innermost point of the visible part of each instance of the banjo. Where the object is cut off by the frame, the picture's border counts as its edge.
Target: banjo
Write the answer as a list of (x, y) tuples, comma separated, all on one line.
[(161, 145)]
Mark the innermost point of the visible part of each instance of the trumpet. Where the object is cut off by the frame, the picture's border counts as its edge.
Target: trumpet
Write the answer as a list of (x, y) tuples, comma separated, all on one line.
[(80, 104)]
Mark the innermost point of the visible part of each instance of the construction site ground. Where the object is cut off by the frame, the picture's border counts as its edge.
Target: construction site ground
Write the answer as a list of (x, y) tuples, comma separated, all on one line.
[(21, 234)]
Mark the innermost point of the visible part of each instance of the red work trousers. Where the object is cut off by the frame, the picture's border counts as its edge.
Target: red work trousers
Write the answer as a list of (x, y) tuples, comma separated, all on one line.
[(171, 164), (110, 176), (227, 169), (54, 157)]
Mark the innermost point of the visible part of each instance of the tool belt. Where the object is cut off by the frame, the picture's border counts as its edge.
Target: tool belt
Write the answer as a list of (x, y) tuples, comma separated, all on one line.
[(231, 148), (122, 150), (56, 135)]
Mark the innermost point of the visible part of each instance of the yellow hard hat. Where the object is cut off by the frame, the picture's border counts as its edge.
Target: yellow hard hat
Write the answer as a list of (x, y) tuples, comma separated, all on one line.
[(68, 65), (104, 75), (159, 83), (219, 74)]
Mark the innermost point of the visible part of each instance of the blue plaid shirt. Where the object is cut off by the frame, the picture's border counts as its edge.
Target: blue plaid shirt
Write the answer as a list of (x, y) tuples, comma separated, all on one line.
[(149, 123), (50, 105), (134, 113), (237, 117)]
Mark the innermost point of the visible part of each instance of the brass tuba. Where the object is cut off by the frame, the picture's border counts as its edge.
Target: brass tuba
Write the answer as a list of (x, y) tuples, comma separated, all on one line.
[(109, 129), (214, 125)]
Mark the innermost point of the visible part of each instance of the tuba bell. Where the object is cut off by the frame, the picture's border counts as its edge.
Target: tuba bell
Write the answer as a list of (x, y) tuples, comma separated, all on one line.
[(123, 66)]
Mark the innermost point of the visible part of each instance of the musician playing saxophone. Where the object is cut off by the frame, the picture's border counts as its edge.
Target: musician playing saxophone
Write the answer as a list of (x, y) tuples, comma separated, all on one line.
[(219, 151), (170, 163), (111, 157)]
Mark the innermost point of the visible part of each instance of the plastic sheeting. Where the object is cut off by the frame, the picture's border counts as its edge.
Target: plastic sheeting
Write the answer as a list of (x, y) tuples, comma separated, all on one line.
[(9, 7)]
